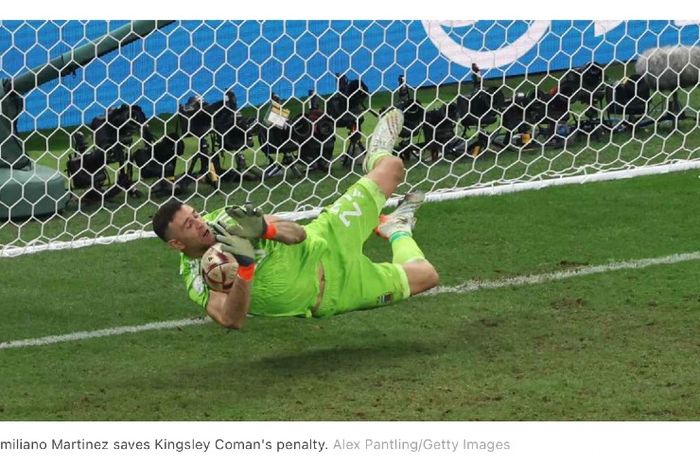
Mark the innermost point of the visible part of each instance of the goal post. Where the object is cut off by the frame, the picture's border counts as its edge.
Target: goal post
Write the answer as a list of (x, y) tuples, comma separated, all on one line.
[(277, 112)]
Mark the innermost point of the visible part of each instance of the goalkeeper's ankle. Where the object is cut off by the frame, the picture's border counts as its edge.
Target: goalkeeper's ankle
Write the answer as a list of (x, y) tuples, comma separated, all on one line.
[(399, 235), (372, 159)]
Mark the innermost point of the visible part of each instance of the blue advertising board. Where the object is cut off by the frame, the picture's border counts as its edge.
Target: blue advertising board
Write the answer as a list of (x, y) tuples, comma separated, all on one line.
[(290, 58)]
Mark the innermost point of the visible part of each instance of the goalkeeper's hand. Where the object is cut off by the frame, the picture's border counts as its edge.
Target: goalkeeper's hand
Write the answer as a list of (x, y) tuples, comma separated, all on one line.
[(247, 222), (241, 248)]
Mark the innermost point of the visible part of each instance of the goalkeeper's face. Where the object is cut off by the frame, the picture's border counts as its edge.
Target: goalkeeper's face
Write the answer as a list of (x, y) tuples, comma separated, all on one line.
[(189, 233)]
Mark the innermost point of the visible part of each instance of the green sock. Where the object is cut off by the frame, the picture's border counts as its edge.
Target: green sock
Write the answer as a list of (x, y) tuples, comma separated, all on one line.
[(404, 249)]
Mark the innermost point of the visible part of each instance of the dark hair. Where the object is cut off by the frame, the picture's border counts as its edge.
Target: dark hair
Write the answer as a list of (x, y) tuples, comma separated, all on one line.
[(164, 216)]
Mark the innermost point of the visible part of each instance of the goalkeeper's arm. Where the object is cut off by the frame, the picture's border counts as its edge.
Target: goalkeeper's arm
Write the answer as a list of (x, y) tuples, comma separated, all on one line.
[(231, 310), (249, 222), (286, 232)]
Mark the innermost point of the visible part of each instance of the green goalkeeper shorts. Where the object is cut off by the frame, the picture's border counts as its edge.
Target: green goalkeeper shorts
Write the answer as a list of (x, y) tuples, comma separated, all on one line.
[(353, 281)]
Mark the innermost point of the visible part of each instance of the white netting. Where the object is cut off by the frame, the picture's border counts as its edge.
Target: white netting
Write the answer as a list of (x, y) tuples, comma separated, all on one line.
[(129, 114)]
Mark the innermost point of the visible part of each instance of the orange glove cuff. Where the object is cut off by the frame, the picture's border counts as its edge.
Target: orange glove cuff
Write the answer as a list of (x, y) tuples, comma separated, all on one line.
[(270, 232), (246, 272)]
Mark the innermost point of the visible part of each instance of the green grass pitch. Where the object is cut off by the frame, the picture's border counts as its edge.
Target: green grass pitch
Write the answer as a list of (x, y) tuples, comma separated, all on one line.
[(620, 345)]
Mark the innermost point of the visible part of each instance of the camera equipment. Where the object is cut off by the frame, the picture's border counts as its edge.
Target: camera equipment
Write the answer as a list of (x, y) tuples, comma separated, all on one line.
[(278, 135), (233, 132), (518, 119), (114, 132), (439, 129), (413, 114), (536, 118), (218, 126), (478, 109), (310, 136), (346, 108), (315, 133), (113, 136), (86, 170), (549, 113), (196, 119), (437, 125), (629, 98), (586, 86), (157, 161), (626, 102)]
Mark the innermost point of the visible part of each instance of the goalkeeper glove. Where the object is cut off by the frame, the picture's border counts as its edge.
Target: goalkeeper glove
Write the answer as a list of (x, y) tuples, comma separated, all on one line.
[(249, 222), (241, 248)]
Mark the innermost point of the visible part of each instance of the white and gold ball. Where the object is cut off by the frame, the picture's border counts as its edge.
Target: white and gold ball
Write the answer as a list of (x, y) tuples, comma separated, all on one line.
[(219, 269)]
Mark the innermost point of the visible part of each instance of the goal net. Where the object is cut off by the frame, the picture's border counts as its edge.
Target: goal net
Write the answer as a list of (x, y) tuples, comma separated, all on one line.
[(103, 121)]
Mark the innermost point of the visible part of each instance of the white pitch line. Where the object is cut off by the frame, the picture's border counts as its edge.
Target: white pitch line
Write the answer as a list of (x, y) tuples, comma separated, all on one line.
[(44, 341), (467, 287), (471, 286)]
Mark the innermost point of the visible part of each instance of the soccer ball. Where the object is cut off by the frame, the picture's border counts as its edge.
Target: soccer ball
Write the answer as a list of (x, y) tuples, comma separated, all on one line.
[(218, 269)]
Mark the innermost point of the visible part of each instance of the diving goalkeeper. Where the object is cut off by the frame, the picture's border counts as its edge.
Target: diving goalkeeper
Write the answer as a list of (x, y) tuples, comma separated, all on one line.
[(316, 270)]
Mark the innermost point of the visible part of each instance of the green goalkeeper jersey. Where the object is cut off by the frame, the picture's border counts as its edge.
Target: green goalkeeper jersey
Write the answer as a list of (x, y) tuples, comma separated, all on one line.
[(286, 281), (286, 276)]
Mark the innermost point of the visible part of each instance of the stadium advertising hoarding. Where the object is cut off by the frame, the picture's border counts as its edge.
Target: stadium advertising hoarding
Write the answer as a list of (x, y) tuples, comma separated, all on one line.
[(290, 58)]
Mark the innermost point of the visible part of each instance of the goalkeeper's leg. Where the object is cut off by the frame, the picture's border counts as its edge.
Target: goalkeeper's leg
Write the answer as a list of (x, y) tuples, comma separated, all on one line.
[(397, 228), (386, 170), (351, 219)]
